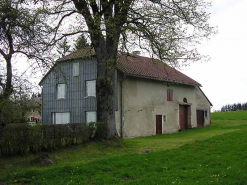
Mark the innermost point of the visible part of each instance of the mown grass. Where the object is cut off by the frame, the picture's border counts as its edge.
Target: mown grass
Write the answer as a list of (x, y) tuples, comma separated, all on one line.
[(234, 115), (213, 155)]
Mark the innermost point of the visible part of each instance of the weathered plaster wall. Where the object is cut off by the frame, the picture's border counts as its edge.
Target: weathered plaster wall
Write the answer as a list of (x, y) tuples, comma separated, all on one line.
[(143, 99), (203, 104)]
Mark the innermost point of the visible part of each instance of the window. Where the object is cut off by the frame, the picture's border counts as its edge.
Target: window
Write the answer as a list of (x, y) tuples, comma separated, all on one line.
[(169, 95), (91, 116), (185, 100), (61, 118), (164, 118), (76, 69), (91, 88), (60, 91), (206, 113)]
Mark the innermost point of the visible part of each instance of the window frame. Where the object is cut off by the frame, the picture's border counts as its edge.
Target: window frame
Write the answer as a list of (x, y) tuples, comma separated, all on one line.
[(86, 84), (76, 69), (86, 116), (54, 119), (164, 118), (64, 97)]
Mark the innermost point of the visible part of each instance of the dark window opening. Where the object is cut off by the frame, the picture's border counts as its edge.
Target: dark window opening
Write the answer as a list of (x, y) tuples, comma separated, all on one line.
[(206, 113), (185, 100)]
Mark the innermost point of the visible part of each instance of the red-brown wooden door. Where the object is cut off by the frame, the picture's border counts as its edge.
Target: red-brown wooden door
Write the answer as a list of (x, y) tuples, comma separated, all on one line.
[(200, 118), (158, 124), (183, 117)]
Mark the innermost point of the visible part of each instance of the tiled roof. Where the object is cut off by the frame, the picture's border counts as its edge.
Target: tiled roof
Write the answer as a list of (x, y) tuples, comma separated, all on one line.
[(85, 52), (140, 67), (152, 68)]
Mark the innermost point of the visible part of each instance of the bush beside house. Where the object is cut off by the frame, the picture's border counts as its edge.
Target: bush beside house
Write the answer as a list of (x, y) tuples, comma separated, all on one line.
[(23, 138)]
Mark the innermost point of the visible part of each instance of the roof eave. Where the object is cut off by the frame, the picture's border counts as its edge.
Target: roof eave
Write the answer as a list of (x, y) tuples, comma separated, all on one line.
[(47, 74), (159, 79), (74, 58)]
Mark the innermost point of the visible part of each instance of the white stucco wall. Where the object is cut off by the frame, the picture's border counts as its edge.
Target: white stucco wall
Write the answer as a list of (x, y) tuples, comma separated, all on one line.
[(143, 99)]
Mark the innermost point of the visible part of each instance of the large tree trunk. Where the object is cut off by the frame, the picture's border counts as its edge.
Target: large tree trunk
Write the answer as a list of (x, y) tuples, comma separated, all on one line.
[(8, 87), (105, 86), (105, 44)]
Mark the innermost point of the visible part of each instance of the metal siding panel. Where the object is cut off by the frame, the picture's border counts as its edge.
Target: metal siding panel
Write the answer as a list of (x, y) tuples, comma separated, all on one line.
[(74, 95)]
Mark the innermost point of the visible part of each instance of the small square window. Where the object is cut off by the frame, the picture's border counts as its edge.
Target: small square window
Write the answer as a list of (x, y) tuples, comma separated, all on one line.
[(169, 95), (91, 88), (90, 116), (60, 91), (76, 69)]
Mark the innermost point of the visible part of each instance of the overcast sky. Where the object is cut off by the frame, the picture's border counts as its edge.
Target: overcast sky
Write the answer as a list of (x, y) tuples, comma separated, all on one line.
[(224, 77)]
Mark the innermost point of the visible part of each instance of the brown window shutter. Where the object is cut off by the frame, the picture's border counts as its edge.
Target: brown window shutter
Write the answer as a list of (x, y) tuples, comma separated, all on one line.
[(171, 95)]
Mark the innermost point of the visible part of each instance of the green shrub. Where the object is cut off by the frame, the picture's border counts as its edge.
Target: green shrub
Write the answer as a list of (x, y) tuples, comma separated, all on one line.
[(22, 138), (98, 130)]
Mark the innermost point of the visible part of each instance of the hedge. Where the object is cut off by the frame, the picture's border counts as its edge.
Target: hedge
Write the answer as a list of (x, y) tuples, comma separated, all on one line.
[(23, 138)]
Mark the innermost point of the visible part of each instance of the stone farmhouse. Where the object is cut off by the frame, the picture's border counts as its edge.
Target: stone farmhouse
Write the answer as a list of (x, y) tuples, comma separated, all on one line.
[(151, 97)]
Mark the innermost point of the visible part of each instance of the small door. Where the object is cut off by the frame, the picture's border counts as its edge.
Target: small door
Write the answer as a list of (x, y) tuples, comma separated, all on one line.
[(183, 116), (200, 118), (158, 124)]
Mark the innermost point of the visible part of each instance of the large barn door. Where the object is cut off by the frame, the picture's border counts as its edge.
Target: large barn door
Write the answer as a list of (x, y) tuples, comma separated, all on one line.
[(158, 124), (200, 118), (183, 116)]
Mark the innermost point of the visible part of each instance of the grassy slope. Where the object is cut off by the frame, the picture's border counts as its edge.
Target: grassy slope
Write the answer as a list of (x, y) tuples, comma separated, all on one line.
[(212, 155), (234, 115)]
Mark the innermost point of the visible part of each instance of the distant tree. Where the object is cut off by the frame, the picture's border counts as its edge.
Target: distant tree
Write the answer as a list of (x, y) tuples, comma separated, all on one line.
[(244, 106), (234, 107), (229, 107), (81, 42), (222, 109), (63, 47), (239, 106)]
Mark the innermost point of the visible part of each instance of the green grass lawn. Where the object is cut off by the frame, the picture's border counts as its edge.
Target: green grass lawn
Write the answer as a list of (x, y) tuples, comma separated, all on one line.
[(234, 115), (216, 154)]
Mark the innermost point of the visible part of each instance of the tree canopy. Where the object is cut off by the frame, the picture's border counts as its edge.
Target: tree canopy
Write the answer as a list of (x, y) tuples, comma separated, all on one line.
[(81, 42), (22, 31), (63, 47)]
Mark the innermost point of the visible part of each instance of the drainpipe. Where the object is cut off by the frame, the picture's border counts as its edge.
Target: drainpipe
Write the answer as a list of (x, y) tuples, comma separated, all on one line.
[(121, 112), (42, 106)]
